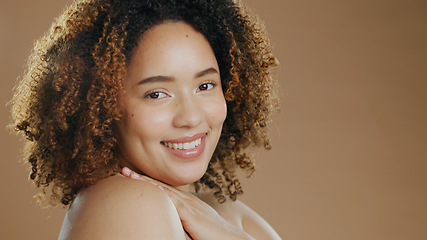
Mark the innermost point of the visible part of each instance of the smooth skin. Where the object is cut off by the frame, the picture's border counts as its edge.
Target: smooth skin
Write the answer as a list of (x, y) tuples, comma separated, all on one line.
[(172, 94), (202, 215), (172, 91)]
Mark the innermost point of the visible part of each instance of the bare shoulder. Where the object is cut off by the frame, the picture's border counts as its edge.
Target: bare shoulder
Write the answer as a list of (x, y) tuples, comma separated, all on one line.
[(122, 208)]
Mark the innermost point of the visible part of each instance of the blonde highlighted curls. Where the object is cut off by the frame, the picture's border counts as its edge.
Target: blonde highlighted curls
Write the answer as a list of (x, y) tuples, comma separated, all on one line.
[(66, 103)]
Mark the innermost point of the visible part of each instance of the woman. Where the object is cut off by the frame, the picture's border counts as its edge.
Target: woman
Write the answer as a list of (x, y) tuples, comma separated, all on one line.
[(173, 93)]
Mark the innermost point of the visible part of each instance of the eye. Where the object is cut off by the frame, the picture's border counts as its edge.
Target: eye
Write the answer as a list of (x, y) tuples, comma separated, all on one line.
[(206, 86), (156, 95)]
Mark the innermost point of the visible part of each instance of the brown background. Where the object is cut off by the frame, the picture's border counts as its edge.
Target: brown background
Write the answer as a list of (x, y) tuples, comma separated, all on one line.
[(349, 158)]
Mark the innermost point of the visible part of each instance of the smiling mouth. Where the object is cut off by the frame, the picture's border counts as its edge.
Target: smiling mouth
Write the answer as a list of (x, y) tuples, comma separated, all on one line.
[(183, 145)]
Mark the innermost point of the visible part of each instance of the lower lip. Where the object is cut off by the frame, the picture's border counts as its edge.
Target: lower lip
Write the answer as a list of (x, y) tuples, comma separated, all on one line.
[(188, 154)]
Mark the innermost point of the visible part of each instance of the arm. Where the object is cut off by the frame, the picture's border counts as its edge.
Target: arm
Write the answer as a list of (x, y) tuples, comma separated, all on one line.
[(122, 208)]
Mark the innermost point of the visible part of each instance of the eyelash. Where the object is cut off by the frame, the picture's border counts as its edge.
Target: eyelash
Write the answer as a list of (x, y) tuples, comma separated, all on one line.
[(152, 92), (147, 95), (207, 83)]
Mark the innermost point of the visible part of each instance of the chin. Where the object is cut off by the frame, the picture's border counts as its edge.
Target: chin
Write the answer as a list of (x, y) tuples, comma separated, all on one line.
[(185, 179)]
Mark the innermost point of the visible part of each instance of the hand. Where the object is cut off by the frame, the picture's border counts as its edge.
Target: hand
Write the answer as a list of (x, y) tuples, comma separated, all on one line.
[(199, 219)]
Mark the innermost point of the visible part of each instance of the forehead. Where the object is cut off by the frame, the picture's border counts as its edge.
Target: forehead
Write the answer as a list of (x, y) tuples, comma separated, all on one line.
[(174, 45)]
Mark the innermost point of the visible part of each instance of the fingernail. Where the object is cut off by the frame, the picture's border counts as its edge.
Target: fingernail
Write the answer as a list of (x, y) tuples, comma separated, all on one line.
[(161, 188), (134, 175), (126, 170)]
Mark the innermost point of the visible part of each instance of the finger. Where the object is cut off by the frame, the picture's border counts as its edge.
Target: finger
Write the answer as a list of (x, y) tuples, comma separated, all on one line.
[(179, 194), (135, 175), (127, 172), (172, 190)]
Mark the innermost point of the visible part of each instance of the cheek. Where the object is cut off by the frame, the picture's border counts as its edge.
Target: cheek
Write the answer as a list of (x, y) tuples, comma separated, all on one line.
[(217, 111), (147, 124)]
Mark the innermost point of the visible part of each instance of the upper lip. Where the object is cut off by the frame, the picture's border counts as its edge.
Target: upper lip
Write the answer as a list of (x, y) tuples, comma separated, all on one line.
[(186, 139)]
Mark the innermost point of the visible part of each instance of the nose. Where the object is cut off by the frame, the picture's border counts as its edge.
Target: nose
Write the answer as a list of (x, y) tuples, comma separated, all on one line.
[(189, 112)]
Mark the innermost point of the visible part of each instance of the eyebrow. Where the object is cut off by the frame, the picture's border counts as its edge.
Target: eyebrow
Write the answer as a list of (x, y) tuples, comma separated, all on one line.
[(206, 72), (155, 79), (161, 78)]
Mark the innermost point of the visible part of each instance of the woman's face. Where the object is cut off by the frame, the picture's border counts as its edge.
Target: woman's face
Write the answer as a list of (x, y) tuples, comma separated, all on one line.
[(173, 105)]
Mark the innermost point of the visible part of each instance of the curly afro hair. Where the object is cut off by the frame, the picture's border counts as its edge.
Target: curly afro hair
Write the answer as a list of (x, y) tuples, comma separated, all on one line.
[(66, 102)]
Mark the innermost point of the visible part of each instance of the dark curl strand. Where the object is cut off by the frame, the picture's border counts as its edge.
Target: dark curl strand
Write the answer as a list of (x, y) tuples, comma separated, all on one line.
[(66, 102)]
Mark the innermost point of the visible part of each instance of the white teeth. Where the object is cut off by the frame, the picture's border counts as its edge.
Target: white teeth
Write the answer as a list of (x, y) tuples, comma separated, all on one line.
[(184, 146)]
